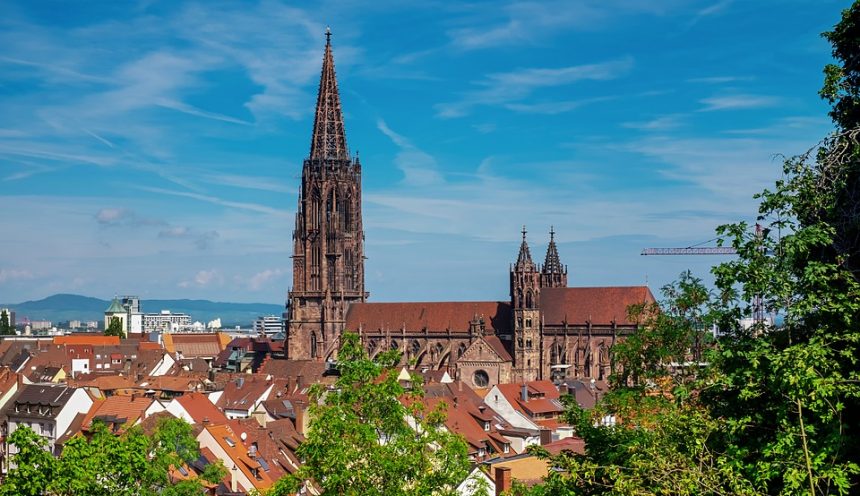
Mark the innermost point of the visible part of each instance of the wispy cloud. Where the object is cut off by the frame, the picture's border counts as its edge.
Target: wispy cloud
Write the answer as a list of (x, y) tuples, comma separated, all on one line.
[(254, 207), (203, 279), (719, 79), (9, 275), (520, 22), (419, 168), (112, 217), (661, 123), (738, 102), (510, 88), (261, 279)]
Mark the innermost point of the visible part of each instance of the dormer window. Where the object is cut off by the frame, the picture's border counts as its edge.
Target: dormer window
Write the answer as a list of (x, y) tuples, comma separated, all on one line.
[(506, 448), (486, 426)]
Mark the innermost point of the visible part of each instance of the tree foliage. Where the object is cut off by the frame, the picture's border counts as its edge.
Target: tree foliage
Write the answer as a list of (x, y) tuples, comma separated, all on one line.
[(670, 338), (6, 328), (115, 328), (106, 464), (777, 409), (363, 440)]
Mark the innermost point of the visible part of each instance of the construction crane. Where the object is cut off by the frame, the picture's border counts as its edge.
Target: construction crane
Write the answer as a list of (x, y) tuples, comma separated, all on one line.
[(697, 249), (692, 250)]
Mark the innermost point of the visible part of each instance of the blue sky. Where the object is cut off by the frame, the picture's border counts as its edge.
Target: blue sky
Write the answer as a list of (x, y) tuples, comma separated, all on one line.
[(154, 148)]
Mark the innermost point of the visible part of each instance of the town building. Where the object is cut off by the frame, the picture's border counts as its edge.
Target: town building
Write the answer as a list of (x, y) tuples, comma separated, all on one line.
[(49, 410), (127, 310), (165, 321), (269, 325)]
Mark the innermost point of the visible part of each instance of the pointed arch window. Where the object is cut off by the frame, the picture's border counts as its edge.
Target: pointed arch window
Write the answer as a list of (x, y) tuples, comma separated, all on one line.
[(313, 345)]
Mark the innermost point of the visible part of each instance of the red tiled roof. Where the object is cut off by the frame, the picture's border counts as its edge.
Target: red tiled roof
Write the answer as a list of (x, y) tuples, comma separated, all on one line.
[(434, 316), (599, 305), (125, 409), (200, 408), (91, 339), (498, 347), (241, 393), (574, 444)]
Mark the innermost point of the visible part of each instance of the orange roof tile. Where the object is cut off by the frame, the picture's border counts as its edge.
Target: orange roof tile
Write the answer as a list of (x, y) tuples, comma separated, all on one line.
[(200, 408), (117, 411)]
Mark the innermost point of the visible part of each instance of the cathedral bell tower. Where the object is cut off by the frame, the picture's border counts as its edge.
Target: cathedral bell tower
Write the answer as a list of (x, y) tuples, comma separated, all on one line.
[(328, 240), (525, 302)]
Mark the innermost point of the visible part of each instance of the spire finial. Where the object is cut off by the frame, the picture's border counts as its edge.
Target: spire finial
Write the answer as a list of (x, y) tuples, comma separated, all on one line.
[(524, 232), (329, 138), (551, 233)]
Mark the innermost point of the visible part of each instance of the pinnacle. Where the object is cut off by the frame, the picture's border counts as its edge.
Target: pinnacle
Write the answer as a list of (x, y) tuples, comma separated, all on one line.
[(525, 256), (552, 263), (329, 137)]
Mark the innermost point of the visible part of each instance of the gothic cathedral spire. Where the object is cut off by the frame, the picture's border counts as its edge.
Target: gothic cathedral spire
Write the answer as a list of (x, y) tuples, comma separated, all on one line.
[(525, 302), (329, 138), (554, 274), (328, 240)]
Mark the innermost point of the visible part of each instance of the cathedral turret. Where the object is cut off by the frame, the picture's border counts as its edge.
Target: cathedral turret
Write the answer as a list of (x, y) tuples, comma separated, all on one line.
[(328, 240), (525, 301), (553, 274)]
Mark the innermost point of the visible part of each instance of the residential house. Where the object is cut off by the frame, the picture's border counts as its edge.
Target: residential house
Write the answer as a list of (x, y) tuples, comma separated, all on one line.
[(49, 410)]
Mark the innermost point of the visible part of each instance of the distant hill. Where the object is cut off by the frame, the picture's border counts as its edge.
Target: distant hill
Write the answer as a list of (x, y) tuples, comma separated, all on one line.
[(64, 307)]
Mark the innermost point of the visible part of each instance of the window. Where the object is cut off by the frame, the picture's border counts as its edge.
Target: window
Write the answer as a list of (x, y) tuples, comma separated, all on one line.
[(486, 426), (528, 322), (529, 343), (506, 448), (481, 379)]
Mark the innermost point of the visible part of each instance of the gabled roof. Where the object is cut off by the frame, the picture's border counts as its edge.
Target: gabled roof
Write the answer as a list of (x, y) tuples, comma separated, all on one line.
[(200, 408), (50, 398), (243, 392), (118, 412), (498, 347), (91, 339), (543, 397), (192, 345), (601, 305), (434, 316), (231, 443)]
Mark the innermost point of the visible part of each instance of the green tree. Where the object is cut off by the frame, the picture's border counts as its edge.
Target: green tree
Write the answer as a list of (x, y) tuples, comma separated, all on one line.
[(660, 447), (115, 328), (842, 90), (107, 464), (6, 328), (364, 441), (674, 332), (32, 468)]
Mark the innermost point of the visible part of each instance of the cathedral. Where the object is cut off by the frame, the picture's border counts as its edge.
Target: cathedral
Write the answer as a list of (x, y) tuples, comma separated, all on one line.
[(546, 330)]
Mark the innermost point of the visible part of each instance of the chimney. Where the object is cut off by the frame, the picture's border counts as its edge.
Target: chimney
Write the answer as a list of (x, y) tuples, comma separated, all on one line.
[(524, 393), (545, 436), (503, 480), (234, 484)]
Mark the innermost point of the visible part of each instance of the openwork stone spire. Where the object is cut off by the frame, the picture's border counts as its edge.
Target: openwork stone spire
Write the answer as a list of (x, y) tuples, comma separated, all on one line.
[(524, 259), (329, 138), (552, 264)]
